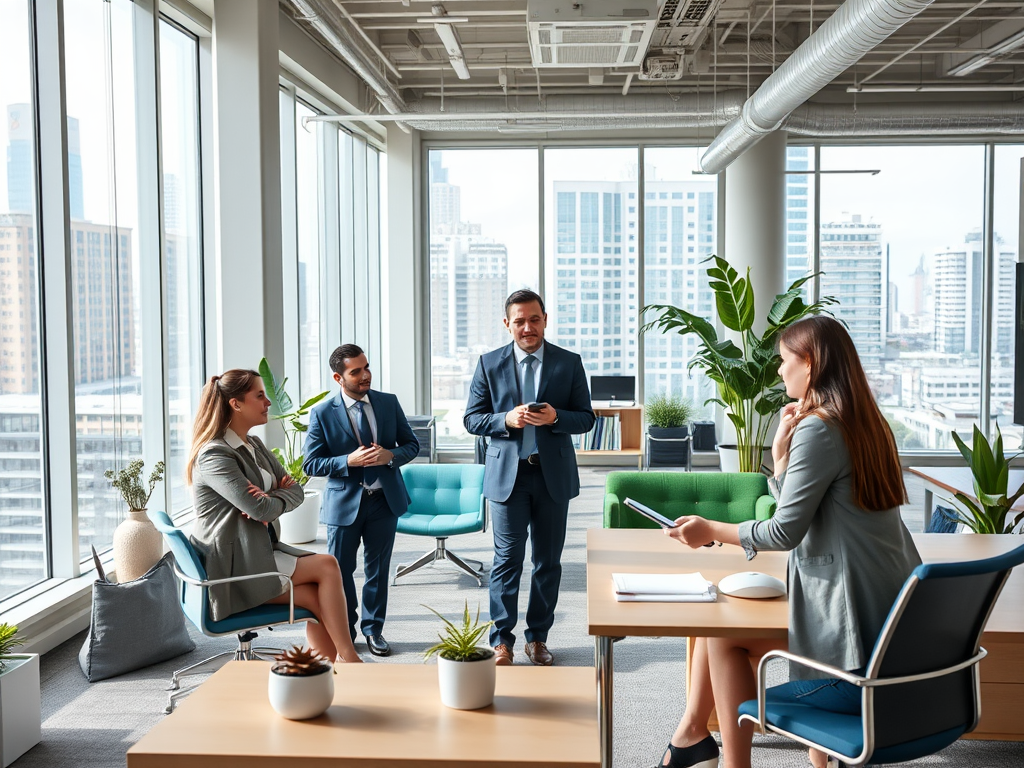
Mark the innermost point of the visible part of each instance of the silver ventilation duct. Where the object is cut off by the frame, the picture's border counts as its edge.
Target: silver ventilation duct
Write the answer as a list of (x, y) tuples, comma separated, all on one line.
[(329, 22), (974, 118), (850, 33)]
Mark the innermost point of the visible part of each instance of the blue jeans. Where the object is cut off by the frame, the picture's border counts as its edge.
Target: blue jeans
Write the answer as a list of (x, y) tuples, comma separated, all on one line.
[(830, 694)]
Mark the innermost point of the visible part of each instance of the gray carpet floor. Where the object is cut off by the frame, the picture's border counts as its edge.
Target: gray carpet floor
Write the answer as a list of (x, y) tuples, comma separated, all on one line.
[(86, 725)]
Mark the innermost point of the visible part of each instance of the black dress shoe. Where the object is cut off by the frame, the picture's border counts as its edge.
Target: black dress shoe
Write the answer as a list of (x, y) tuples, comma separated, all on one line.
[(378, 645)]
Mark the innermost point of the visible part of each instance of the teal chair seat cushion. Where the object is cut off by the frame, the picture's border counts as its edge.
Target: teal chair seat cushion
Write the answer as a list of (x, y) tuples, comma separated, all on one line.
[(842, 733), (440, 525), (725, 497), (260, 616)]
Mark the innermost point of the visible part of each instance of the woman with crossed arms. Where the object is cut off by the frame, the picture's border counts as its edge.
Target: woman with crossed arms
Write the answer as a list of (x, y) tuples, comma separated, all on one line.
[(839, 486), (240, 490)]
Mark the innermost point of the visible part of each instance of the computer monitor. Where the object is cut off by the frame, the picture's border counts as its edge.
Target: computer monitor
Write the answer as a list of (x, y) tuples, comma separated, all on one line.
[(613, 388)]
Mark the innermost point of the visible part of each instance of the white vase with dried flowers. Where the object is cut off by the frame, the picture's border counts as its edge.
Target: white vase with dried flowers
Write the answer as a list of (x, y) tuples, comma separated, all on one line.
[(138, 545)]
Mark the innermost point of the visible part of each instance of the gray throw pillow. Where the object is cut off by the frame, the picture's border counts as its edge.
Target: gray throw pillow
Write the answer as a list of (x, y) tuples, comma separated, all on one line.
[(134, 624)]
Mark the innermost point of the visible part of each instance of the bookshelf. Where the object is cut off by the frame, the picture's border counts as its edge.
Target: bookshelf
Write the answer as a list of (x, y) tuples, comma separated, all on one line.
[(630, 437)]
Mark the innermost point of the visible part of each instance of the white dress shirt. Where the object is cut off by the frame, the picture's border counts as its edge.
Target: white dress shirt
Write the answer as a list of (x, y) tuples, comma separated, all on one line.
[(371, 421)]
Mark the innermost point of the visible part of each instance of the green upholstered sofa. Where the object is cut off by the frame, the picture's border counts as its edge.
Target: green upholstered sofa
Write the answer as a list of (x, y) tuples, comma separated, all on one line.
[(723, 496)]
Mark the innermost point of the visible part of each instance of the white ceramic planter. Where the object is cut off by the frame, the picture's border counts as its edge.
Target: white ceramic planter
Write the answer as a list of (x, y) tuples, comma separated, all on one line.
[(729, 458), (299, 526), (20, 707), (467, 684), (138, 546), (300, 698)]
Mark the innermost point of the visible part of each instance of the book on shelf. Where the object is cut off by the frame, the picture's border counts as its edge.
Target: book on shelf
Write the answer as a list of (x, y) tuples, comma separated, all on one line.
[(605, 436), (663, 588)]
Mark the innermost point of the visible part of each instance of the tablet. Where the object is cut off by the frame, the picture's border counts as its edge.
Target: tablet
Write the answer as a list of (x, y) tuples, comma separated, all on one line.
[(649, 513)]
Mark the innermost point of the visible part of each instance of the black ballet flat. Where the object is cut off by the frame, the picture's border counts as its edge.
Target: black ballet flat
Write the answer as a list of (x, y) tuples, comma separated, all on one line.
[(703, 754)]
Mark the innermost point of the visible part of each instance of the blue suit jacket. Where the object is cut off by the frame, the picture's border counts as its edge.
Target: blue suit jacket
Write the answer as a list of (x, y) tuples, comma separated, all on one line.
[(330, 440), (496, 390)]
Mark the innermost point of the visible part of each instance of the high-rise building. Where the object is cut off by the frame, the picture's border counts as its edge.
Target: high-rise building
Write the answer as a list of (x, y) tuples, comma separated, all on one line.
[(854, 267), (19, 305), (798, 249), (20, 164), (958, 277)]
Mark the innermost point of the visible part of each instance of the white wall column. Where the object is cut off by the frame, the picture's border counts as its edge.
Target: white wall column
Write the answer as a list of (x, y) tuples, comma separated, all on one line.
[(404, 312), (250, 311)]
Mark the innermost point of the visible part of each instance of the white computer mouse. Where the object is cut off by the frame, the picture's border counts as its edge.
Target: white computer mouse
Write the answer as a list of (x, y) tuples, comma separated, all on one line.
[(751, 584)]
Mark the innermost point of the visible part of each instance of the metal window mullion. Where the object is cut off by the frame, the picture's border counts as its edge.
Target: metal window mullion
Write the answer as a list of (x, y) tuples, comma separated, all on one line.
[(329, 260), (373, 282), (210, 342), (641, 278), (55, 258), (816, 257), (346, 207), (988, 293), (290, 236), (153, 307), (359, 221), (541, 242)]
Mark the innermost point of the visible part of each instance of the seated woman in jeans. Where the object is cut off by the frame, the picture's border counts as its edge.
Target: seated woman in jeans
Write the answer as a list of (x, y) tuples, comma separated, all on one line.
[(240, 490), (839, 486)]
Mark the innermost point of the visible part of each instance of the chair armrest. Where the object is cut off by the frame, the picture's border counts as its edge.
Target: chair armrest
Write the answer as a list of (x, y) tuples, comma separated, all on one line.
[(765, 507), (267, 574)]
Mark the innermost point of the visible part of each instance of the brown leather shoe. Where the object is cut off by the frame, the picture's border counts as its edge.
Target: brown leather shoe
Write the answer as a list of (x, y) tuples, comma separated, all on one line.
[(502, 656), (539, 654)]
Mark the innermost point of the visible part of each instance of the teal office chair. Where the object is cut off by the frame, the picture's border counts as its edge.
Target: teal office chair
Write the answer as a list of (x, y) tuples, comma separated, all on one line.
[(446, 500), (920, 691), (195, 603)]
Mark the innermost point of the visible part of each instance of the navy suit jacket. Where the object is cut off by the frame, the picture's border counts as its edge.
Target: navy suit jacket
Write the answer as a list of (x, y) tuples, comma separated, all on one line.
[(495, 391), (330, 440)]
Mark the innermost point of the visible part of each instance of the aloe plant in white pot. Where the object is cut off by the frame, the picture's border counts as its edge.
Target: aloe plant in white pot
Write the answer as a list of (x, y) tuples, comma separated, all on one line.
[(298, 526), (465, 669), (20, 700)]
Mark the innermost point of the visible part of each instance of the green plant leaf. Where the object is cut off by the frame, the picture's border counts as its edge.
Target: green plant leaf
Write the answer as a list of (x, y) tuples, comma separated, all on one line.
[(280, 402), (304, 408)]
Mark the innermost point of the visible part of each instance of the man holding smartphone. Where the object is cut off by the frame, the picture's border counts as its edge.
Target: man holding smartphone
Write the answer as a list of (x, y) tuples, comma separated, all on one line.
[(528, 397)]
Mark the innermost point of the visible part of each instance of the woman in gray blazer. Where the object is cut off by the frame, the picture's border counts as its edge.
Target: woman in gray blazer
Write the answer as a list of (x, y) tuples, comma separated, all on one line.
[(240, 490), (839, 485)]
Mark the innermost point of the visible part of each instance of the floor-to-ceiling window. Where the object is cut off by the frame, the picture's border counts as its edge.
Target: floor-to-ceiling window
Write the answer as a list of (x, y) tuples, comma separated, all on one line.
[(483, 245), (681, 225), (1009, 173), (23, 560), (99, 39), (183, 240), (307, 185)]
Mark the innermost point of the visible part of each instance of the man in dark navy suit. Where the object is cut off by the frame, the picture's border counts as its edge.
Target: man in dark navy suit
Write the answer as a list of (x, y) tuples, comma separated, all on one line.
[(358, 440), (528, 398)]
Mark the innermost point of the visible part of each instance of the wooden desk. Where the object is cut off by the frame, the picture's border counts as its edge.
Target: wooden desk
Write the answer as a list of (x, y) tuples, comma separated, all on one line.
[(383, 715), (650, 551), (949, 481)]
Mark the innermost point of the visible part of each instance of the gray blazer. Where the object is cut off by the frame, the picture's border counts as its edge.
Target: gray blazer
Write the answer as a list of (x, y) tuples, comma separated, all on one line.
[(847, 565), (228, 543)]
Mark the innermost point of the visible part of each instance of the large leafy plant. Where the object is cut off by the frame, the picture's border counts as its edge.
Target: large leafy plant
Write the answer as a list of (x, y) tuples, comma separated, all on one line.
[(459, 642), (987, 512), (747, 375), (293, 420)]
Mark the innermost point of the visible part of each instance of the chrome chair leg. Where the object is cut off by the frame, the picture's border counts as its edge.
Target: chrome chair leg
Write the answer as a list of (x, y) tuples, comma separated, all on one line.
[(440, 553), (404, 569), (193, 669), (476, 573)]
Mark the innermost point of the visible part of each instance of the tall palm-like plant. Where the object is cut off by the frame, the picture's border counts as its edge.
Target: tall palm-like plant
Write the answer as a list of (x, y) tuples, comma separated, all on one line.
[(295, 424), (747, 375)]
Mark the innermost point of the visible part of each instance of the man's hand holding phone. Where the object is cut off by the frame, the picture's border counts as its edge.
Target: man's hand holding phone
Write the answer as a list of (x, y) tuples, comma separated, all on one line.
[(539, 414)]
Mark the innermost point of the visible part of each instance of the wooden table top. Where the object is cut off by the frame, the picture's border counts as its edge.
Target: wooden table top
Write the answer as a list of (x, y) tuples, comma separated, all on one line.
[(382, 715), (961, 480), (650, 551)]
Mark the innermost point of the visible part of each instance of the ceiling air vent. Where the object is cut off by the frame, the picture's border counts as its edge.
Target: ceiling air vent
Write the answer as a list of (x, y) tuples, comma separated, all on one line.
[(598, 33)]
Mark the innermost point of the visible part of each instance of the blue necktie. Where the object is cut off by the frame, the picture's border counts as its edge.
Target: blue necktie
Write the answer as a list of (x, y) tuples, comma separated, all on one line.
[(366, 438), (529, 445)]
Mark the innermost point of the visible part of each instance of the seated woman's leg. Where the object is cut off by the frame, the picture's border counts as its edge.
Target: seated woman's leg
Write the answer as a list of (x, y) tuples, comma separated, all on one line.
[(693, 728), (321, 574), (733, 682)]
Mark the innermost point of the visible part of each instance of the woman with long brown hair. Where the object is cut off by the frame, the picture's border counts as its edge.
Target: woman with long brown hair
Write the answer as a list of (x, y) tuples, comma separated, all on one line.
[(839, 486), (240, 490)]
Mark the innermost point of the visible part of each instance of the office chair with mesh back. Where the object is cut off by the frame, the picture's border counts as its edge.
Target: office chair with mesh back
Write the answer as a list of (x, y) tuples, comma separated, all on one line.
[(920, 691), (195, 604)]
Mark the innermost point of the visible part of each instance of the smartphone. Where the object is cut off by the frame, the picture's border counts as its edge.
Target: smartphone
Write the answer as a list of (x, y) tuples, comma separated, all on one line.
[(649, 513), (536, 406)]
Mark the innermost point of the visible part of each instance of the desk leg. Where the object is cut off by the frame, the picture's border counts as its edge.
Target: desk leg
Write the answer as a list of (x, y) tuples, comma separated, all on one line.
[(929, 505), (604, 663)]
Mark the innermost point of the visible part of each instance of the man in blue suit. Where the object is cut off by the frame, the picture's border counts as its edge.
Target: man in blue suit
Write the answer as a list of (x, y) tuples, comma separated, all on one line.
[(528, 398), (358, 440)]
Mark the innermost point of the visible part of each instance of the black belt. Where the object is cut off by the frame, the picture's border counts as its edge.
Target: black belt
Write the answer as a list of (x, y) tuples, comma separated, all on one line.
[(372, 491), (533, 460)]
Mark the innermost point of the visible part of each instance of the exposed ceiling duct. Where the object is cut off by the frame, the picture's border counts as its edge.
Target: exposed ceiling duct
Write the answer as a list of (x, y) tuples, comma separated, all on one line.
[(855, 29), (972, 118), (337, 31)]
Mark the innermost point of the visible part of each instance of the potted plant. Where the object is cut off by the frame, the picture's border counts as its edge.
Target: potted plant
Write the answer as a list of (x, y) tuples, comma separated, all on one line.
[(138, 545), (299, 525), (465, 670), (987, 511), (301, 684), (21, 718), (747, 375), (668, 419)]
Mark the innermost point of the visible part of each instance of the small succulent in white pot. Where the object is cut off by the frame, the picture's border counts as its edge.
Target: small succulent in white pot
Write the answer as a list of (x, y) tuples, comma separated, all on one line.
[(465, 669), (301, 684)]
